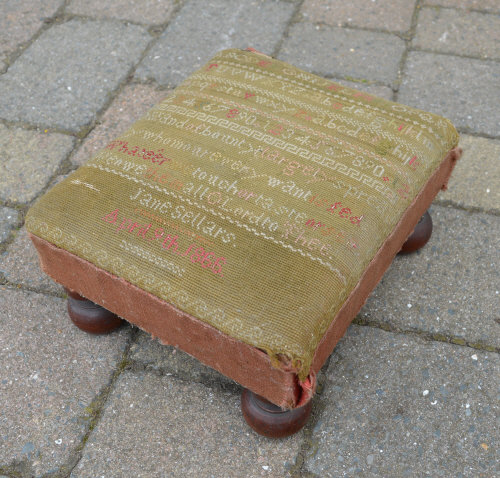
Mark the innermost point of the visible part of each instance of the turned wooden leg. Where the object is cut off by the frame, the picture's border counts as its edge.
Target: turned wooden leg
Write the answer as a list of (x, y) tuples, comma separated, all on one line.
[(270, 420), (90, 317), (420, 235)]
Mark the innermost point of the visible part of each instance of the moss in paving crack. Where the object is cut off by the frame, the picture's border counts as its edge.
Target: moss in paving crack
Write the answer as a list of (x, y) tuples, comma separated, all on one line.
[(205, 379), (449, 203), (439, 337), (13, 285), (18, 469), (486, 348), (38, 128), (357, 80), (93, 414), (310, 445), (94, 410), (308, 448), (366, 322), (65, 470)]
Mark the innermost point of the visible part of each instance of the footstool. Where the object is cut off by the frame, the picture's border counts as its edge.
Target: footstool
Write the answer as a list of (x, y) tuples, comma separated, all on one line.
[(245, 219)]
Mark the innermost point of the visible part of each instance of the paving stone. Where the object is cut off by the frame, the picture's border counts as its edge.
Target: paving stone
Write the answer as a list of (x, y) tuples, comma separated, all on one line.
[(342, 52), (393, 15), (8, 220), (461, 89), (145, 11), (51, 371), (448, 288), (483, 5), (21, 19), (19, 265), (69, 71), (203, 28), (27, 160), (161, 426), (169, 360), (128, 107), (475, 181), (399, 406), (452, 31)]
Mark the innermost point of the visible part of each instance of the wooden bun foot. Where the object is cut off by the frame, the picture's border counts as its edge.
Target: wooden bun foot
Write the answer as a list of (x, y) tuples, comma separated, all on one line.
[(420, 235), (90, 317), (270, 420)]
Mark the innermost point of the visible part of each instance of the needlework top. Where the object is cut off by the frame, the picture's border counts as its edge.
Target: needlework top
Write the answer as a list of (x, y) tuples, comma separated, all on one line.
[(253, 198)]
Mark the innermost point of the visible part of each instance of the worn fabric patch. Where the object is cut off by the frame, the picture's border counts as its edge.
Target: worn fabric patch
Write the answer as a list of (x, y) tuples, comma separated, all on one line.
[(252, 198)]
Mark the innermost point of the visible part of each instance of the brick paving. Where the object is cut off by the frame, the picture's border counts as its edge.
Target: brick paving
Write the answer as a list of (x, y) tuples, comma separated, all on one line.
[(29, 159), (147, 12), (52, 373), (8, 220), (410, 391), (205, 440), (390, 15), (20, 21), (68, 73), (462, 89), (477, 5), (19, 266), (476, 180), (450, 31), (344, 52), (464, 308), (192, 38), (440, 423)]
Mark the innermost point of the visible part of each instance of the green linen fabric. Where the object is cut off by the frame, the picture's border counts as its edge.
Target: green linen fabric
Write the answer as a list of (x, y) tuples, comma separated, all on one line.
[(253, 198)]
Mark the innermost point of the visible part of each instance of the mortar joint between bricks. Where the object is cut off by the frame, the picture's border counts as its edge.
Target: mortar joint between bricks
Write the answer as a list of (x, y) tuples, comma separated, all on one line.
[(425, 335), (294, 18), (136, 366), (454, 54), (450, 203), (96, 409), (46, 24), (408, 39), (309, 445)]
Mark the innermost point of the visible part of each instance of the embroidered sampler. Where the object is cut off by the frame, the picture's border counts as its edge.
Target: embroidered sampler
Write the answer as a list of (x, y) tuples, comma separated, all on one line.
[(253, 198)]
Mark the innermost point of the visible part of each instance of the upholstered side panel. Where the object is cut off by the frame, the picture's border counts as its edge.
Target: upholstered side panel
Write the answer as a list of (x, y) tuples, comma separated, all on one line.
[(243, 363), (384, 257)]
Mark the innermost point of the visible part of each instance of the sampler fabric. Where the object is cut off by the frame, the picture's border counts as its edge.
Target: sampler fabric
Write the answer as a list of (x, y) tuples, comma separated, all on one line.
[(253, 198)]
